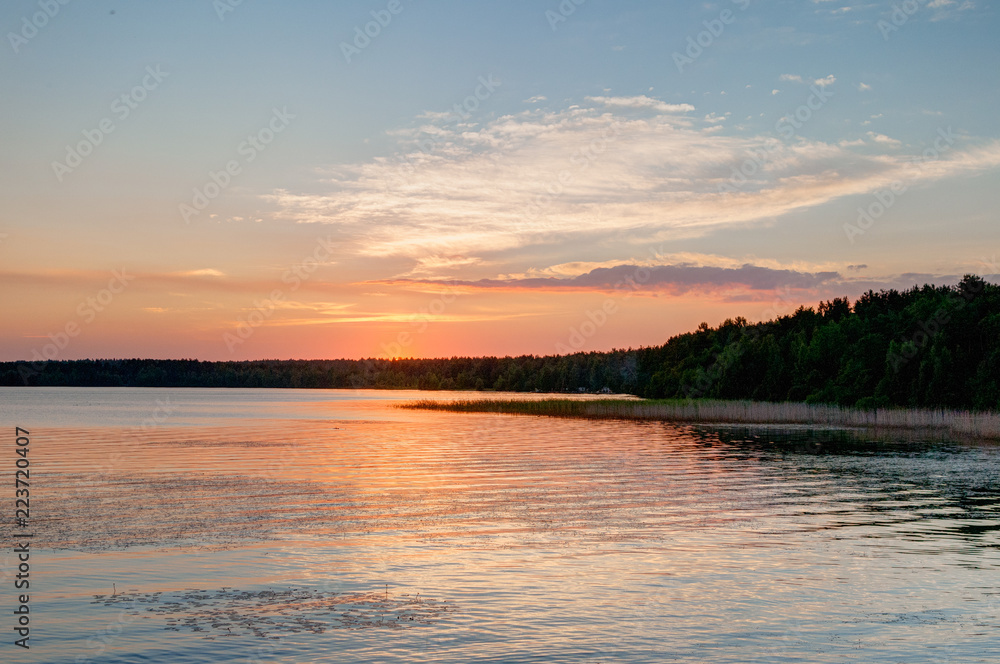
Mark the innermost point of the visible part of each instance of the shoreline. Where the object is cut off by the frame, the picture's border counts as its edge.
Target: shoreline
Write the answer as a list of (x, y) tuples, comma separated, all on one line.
[(984, 425)]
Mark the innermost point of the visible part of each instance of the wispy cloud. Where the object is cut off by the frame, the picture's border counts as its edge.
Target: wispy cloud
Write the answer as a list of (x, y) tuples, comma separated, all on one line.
[(632, 167), (205, 272), (882, 138), (642, 102), (949, 9), (821, 82)]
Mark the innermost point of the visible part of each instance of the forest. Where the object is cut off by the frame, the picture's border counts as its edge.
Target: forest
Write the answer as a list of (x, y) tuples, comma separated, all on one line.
[(929, 346)]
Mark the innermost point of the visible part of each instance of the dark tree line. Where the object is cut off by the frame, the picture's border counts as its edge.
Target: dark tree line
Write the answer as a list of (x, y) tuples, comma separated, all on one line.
[(927, 346)]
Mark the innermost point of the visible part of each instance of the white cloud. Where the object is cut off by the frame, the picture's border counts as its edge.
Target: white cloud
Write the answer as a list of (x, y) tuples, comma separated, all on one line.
[(437, 264), (864, 87), (946, 9), (205, 272), (642, 102), (882, 138), (627, 171), (795, 78)]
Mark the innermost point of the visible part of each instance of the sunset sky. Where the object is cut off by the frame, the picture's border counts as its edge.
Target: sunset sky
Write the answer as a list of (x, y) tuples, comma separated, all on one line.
[(246, 180)]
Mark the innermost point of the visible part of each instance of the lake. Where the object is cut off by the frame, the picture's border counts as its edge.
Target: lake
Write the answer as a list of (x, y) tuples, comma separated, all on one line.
[(202, 525)]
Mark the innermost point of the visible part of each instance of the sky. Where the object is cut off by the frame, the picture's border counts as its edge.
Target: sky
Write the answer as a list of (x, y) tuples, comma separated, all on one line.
[(233, 180)]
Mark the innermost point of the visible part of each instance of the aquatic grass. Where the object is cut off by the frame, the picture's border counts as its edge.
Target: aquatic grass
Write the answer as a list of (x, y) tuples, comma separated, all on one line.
[(968, 423)]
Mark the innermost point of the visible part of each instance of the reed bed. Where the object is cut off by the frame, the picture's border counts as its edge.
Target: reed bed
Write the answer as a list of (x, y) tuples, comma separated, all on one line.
[(965, 423)]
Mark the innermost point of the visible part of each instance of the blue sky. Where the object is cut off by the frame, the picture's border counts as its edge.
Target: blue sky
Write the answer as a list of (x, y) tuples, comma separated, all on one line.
[(587, 149)]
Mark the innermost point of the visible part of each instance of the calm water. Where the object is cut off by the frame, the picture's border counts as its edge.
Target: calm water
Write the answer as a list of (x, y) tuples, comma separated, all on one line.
[(327, 526)]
